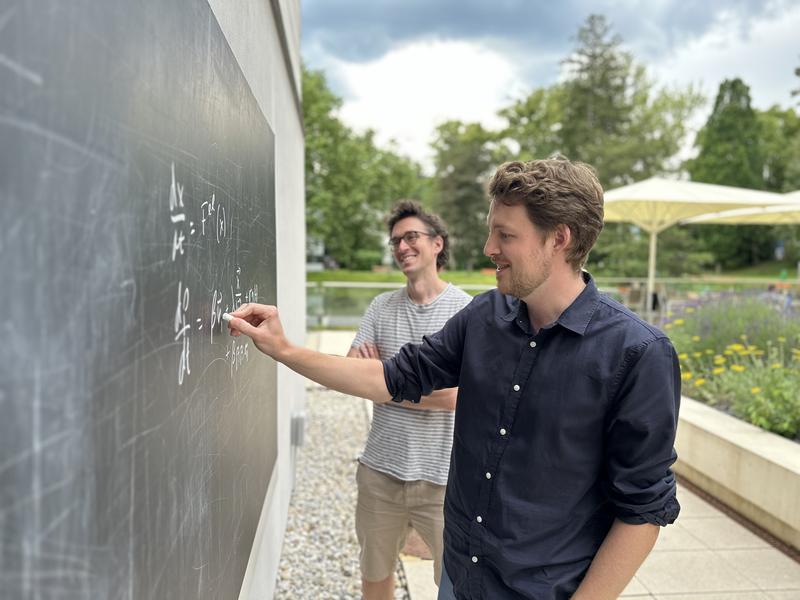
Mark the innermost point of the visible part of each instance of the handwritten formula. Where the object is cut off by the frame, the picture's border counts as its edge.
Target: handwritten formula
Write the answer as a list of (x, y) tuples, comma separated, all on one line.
[(207, 221)]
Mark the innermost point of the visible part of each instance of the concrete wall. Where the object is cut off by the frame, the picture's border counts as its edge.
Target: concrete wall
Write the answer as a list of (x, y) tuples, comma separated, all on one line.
[(755, 472), (265, 38)]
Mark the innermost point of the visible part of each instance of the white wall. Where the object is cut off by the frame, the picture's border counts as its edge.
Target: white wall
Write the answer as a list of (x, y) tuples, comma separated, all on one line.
[(253, 34)]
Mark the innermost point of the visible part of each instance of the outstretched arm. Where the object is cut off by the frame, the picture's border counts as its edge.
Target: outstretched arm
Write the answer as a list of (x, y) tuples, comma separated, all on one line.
[(261, 323), (439, 400)]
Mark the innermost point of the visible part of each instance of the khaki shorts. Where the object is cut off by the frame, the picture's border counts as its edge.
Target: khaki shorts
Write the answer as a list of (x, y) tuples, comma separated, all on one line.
[(386, 507)]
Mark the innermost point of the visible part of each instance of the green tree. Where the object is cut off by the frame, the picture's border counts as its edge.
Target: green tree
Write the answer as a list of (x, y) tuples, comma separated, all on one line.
[(728, 144), (608, 113), (613, 117), (350, 182), (780, 143), (779, 137), (464, 156), (730, 153), (534, 123)]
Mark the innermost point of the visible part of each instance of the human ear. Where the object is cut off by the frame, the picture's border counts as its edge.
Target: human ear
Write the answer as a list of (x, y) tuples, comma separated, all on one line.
[(561, 236)]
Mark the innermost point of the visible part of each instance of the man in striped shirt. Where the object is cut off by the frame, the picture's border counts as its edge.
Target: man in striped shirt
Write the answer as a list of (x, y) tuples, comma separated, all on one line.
[(402, 473)]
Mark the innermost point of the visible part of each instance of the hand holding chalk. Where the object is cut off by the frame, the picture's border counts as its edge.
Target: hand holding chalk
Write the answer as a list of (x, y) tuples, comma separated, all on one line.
[(261, 324)]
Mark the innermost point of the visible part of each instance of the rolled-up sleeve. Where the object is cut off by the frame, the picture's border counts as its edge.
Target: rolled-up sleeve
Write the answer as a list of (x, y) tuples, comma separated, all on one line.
[(641, 435), (419, 369)]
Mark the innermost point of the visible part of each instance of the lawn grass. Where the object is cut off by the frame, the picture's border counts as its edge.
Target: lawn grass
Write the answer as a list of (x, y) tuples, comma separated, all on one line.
[(396, 276), (769, 271)]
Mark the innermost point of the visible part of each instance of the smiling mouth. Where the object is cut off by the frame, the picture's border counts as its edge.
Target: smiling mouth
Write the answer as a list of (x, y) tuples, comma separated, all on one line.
[(501, 268)]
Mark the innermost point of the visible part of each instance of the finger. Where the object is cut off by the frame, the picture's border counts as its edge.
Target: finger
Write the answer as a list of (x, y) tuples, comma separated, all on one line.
[(362, 351), (253, 310), (373, 351), (239, 326)]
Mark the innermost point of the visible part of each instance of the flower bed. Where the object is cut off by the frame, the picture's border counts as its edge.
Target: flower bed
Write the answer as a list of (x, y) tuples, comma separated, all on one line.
[(742, 354)]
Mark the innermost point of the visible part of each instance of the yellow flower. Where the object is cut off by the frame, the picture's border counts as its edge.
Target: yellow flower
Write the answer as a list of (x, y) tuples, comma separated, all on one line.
[(683, 356), (736, 347), (709, 351), (686, 376), (678, 322), (699, 381), (781, 339), (755, 390), (743, 337), (728, 353), (720, 360), (668, 326), (689, 310), (695, 338), (737, 368), (776, 366), (758, 353), (718, 370), (697, 354)]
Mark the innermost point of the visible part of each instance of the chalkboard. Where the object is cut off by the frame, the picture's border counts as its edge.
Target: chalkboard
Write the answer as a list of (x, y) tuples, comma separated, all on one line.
[(137, 439)]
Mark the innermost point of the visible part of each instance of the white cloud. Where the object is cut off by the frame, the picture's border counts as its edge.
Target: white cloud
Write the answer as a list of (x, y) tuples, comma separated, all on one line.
[(404, 94), (763, 53), (407, 92)]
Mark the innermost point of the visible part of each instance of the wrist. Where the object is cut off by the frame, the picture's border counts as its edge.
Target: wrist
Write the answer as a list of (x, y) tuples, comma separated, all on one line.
[(283, 351)]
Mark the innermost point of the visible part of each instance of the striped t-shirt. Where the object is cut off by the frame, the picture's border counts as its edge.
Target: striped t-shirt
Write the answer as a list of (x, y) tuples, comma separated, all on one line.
[(408, 443)]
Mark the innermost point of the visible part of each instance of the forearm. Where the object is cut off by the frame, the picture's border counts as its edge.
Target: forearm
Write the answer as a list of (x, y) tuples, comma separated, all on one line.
[(354, 376), (438, 400), (620, 556)]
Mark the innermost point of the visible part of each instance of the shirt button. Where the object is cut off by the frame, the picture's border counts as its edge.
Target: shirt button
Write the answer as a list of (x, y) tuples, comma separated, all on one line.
[(503, 431), (488, 475), (516, 387), (474, 559), (479, 519), (533, 344)]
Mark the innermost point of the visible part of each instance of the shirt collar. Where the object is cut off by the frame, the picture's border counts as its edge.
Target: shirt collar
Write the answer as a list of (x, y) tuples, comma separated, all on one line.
[(577, 315)]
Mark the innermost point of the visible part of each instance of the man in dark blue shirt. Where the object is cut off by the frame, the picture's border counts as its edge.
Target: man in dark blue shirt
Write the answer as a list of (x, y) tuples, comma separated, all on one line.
[(567, 406)]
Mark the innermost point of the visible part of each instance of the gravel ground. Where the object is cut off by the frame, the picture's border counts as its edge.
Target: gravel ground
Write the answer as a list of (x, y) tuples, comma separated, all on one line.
[(319, 559)]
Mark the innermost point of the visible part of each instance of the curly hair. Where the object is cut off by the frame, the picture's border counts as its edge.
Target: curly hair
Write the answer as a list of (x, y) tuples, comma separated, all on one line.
[(411, 208), (555, 191)]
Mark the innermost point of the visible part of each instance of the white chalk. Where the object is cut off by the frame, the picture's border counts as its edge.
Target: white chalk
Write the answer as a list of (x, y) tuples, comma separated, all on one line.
[(227, 317)]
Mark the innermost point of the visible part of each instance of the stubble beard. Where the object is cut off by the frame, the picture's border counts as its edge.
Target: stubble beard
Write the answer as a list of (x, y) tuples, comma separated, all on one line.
[(522, 286)]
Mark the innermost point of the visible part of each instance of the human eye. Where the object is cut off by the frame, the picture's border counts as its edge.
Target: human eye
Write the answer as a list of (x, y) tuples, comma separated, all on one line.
[(411, 237)]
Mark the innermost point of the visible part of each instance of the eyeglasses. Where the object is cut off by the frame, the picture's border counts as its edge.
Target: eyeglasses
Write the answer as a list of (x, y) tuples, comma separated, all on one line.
[(409, 237)]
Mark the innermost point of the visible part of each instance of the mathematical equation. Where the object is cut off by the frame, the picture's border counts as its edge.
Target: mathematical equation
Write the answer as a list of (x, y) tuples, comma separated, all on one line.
[(212, 225)]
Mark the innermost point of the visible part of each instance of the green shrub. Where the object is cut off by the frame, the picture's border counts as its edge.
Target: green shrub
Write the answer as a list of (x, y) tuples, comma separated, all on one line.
[(742, 356)]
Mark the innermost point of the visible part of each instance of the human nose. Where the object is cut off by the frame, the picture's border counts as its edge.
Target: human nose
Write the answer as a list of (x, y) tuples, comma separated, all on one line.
[(490, 248)]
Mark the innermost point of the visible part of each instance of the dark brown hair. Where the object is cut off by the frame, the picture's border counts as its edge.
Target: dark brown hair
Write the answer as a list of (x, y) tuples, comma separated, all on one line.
[(555, 191), (411, 208)]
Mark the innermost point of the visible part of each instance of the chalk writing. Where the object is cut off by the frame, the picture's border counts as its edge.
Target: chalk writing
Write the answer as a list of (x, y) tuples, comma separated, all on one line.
[(213, 213), (212, 225), (182, 327), (236, 354), (177, 215)]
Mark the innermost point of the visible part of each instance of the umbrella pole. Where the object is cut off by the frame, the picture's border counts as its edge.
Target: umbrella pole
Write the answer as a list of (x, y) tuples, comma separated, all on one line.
[(651, 276)]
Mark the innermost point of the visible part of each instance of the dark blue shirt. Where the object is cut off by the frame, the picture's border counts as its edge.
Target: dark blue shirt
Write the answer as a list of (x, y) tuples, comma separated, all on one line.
[(557, 433)]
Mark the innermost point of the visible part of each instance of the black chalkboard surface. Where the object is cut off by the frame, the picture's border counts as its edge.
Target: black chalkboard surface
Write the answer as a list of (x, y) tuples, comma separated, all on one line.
[(137, 439)]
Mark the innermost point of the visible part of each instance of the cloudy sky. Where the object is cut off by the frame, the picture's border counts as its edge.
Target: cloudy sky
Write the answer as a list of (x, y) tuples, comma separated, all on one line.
[(402, 66)]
